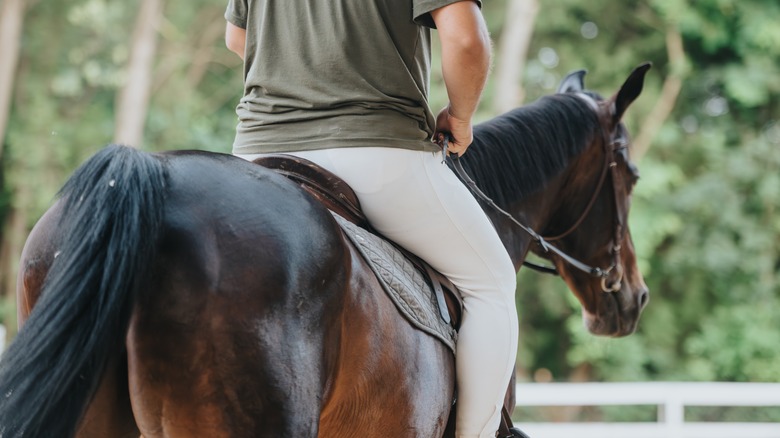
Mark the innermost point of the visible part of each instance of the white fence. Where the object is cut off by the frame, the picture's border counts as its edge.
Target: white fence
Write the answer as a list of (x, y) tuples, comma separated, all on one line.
[(670, 398)]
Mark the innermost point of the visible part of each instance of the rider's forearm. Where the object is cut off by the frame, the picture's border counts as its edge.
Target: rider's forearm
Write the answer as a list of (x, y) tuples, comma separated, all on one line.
[(465, 51)]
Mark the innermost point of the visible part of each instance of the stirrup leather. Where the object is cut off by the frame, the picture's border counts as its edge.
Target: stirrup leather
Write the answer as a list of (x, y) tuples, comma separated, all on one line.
[(506, 429)]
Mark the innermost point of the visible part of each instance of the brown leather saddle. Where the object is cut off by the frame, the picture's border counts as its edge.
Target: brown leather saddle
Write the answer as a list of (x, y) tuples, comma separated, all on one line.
[(338, 196)]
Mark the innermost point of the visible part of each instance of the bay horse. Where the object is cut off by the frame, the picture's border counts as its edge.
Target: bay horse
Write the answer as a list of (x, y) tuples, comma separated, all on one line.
[(187, 294)]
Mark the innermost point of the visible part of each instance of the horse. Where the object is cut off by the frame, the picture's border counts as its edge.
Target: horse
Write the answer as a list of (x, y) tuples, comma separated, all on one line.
[(187, 293)]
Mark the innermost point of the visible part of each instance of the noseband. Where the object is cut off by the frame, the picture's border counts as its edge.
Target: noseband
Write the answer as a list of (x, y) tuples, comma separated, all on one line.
[(612, 145)]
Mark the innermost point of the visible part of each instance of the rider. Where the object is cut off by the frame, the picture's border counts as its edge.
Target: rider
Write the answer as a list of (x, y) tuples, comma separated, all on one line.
[(344, 83)]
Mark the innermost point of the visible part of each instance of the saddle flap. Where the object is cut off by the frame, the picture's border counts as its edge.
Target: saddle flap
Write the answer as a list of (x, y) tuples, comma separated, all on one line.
[(404, 284)]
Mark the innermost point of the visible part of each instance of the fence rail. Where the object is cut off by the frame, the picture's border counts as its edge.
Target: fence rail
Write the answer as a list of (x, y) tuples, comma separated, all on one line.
[(671, 398)]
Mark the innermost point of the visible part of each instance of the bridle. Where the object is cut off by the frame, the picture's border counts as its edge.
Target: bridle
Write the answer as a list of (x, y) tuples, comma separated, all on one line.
[(612, 143)]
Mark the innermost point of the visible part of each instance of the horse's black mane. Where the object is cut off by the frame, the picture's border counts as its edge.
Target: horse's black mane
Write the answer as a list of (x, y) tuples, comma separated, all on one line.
[(515, 154)]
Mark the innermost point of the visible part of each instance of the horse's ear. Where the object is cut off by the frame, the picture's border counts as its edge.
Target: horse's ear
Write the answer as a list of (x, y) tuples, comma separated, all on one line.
[(573, 82), (630, 90)]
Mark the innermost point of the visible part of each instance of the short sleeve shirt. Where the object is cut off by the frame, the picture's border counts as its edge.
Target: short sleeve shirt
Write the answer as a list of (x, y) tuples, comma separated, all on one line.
[(334, 73)]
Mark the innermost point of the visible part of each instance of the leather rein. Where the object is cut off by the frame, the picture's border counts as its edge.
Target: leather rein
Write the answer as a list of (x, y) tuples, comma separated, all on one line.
[(610, 166)]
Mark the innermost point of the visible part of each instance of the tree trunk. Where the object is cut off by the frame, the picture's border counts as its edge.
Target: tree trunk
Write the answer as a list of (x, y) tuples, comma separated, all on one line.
[(512, 53), (13, 241), (133, 102), (669, 93), (11, 19)]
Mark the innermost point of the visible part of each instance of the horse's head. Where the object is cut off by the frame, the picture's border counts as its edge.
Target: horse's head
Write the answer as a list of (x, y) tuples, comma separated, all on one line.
[(592, 223)]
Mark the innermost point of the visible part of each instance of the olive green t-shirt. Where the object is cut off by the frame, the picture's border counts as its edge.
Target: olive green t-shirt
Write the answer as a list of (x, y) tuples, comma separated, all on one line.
[(334, 73)]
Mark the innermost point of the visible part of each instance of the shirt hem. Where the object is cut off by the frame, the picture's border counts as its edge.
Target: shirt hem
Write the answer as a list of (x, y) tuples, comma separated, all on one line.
[(311, 145)]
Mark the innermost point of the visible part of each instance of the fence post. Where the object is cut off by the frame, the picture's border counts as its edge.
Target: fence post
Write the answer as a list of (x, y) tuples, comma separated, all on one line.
[(672, 414)]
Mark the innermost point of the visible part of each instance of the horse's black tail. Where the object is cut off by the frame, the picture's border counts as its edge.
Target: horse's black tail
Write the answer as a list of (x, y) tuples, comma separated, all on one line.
[(111, 218)]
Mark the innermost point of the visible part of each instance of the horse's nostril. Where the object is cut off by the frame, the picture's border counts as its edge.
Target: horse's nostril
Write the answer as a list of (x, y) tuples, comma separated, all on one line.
[(643, 298)]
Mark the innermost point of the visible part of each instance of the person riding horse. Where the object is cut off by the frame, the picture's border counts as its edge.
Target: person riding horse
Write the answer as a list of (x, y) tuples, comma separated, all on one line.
[(344, 84)]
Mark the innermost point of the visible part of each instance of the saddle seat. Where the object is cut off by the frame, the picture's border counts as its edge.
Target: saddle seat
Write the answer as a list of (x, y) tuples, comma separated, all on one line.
[(337, 196)]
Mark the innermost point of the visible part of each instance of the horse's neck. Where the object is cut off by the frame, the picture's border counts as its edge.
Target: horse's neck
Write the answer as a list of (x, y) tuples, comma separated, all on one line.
[(552, 210), (537, 148), (535, 211)]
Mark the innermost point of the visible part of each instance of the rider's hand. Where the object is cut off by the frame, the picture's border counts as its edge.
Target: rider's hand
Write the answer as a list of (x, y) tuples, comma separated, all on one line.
[(460, 131)]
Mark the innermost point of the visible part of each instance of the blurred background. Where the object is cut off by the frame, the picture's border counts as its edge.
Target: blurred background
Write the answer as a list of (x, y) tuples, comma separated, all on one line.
[(78, 74)]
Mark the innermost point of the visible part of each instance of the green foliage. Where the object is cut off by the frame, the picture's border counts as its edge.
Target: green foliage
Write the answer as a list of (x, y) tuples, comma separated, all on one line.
[(73, 62), (737, 343)]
